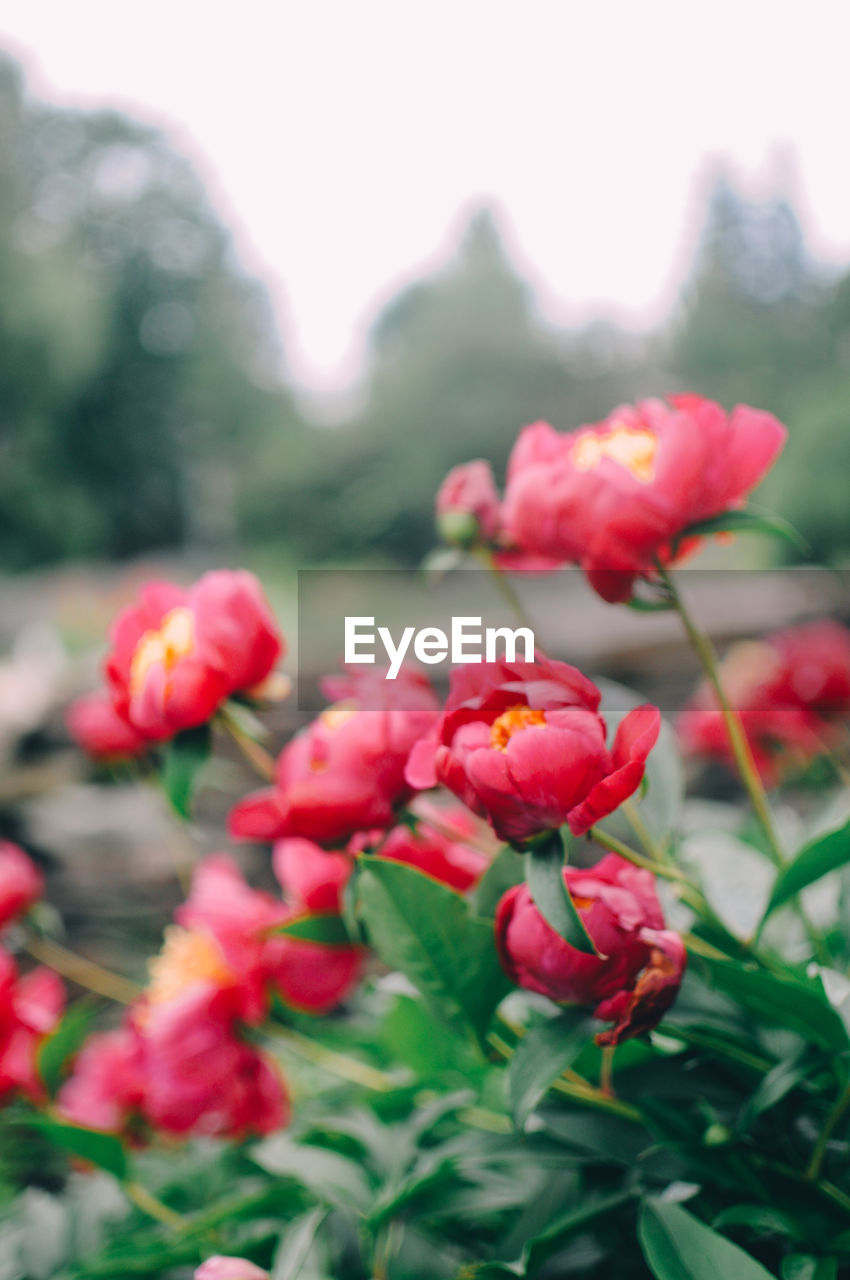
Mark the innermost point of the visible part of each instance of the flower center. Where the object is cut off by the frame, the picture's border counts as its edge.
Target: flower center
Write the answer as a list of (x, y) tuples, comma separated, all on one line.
[(187, 957), (631, 447), (512, 721), (174, 639)]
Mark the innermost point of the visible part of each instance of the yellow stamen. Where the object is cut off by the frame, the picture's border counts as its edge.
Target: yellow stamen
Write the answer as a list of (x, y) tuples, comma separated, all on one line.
[(187, 957), (631, 447), (512, 721), (174, 639)]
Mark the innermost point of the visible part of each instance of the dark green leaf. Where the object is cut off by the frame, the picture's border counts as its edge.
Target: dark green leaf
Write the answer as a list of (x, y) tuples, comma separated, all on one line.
[(544, 875), (429, 933), (761, 1219), (783, 1001), (102, 1149), (296, 1241), (331, 1177), (778, 1082), (505, 871), (816, 859), (183, 761), (327, 929), (541, 1056), (55, 1050), (799, 1266), (677, 1246), (746, 521)]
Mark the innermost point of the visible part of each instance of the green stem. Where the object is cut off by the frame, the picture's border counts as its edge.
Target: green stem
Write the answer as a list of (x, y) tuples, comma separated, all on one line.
[(84, 972), (614, 845), (259, 759), (740, 745), (338, 1064), (738, 740), (508, 593), (651, 847), (154, 1208), (833, 1120)]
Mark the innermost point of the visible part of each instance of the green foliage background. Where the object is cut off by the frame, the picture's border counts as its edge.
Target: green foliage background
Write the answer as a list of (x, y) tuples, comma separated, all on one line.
[(143, 400)]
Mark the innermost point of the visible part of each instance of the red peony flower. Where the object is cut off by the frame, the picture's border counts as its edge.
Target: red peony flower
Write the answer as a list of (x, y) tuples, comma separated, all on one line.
[(21, 882), (523, 745), (97, 727), (345, 771), (614, 496), (107, 1087), (312, 878), (467, 504), (30, 1008), (792, 693), (177, 655), (635, 978)]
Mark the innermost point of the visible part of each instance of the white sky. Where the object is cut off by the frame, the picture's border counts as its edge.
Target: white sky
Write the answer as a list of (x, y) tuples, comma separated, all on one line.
[(342, 138)]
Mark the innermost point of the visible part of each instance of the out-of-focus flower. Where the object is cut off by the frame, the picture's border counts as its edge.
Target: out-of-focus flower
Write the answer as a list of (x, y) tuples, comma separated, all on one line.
[(467, 504), (107, 1087), (636, 976), (177, 655), (792, 693), (98, 728), (30, 1008), (345, 771), (221, 1268), (312, 878), (21, 882), (614, 496), (523, 745)]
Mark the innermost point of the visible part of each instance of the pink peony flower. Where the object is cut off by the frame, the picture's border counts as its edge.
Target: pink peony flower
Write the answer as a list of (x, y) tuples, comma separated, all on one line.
[(635, 978), (97, 727), (30, 1008), (177, 655), (221, 1268), (21, 882), (614, 496), (523, 745)]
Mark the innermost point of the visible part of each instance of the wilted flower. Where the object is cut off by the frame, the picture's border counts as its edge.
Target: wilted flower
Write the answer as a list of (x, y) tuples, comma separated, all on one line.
[(523, 745), (636, 976), (177, 655), (614, 496)]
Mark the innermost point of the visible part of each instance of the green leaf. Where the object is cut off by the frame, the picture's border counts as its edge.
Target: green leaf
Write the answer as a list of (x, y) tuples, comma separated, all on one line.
[(183, 761), (428, 932), (544, 875), (102, 1149), (327, 929), (778, 1082), (55, 1050), (744, 521), (331, 1177), (295, 1244), (799, 1266), (677, 1246), (783, 1001), (505, 871), (816, 859), (761, 1219), (541, 1056)]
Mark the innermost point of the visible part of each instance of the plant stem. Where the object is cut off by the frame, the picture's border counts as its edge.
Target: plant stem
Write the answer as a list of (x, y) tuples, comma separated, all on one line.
[(833, 1120), (740, 745), (738, 740), (506, 588), (606, 1071), (626, 851), (338, 1064), (86, 973), (154, 1208), (259, 759)]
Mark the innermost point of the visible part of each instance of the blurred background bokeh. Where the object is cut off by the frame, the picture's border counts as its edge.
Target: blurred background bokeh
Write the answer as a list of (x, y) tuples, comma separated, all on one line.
[(268, 271)]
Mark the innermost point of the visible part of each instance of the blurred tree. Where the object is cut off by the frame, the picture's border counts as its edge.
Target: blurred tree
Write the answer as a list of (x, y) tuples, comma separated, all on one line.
[(138, 364)]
